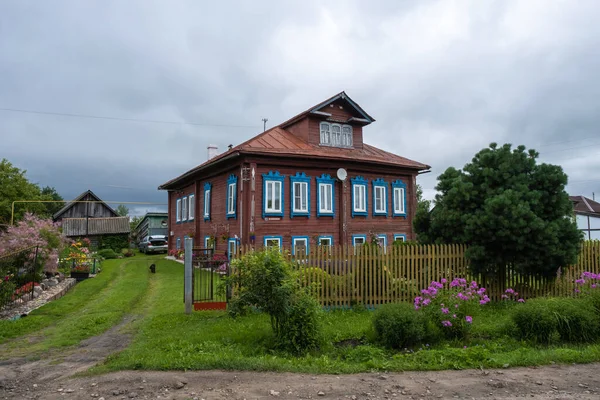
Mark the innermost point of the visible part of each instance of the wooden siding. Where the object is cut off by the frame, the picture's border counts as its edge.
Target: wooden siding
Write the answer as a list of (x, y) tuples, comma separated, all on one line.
[(91, 210)]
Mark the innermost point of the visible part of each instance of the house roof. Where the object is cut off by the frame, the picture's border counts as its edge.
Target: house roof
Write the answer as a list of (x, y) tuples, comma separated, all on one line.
[(278, 141), (95, 226), (78, 198), (584, 205)]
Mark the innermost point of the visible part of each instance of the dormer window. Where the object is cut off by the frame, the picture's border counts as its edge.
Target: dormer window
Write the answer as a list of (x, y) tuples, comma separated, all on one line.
[(336, 135)]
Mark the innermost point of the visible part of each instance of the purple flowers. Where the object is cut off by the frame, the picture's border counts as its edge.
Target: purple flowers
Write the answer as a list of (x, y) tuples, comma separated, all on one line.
[(445, 310), (446, 323), (469, 319), (521, 300), (587, 281)]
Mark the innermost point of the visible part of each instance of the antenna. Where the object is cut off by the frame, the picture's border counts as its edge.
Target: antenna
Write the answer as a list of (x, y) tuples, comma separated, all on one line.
[(264, 120)]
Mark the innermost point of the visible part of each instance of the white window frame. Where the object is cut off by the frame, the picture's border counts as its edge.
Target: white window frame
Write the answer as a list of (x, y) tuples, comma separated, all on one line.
[(361, 198), (322, 199), (335, 135), (399, 202), (360, 237), (268, 239), (178, 210), (191, 207), (347, 137), (299, 239), (231, 198), (329, 238), (207, 203), (325, 133), (272, 187), (400, 236), (381, 190), (303, 193), (231, 241), (184, 209)]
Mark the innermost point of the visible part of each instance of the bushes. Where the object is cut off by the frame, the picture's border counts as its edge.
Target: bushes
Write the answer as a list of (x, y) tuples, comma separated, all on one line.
[(398, 326), (300, 328), (107, 254), (546, 319)]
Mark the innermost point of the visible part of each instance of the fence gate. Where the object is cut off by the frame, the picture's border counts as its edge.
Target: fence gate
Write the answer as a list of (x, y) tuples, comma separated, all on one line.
[(209, 267)]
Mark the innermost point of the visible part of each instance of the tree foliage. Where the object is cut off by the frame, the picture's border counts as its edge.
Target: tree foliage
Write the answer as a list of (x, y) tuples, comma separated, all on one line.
[(510, 210), (122, 210), (14, 186)]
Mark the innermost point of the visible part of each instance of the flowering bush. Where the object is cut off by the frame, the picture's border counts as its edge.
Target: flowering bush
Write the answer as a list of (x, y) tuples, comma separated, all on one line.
[(587, 281), (451, 304), (511, 295)]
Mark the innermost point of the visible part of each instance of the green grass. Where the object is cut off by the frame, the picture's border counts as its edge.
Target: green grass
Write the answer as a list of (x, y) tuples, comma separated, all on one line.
[(212, 340), (90, 308)]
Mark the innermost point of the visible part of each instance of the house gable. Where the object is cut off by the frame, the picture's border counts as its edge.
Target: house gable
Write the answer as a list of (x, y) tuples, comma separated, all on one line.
[(79, 208)]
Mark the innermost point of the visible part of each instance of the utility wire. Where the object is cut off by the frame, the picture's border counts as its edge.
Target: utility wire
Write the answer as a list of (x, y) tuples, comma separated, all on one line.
[(154, 121)]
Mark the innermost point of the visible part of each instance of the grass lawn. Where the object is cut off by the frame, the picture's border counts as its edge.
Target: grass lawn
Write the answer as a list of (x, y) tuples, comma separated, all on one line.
[(167, 339)]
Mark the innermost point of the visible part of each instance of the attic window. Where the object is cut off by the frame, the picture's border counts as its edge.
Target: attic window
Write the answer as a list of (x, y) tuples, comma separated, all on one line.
[(336, 135)]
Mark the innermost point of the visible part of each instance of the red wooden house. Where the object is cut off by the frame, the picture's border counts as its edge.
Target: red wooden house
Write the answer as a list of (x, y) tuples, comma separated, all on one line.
[(308, 181)]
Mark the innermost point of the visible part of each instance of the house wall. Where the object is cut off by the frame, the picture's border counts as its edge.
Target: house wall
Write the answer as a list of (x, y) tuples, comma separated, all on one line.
[(590, 225), (178, 230)]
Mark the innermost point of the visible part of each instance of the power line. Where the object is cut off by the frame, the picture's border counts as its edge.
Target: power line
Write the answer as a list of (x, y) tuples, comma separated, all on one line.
[(154, 121)]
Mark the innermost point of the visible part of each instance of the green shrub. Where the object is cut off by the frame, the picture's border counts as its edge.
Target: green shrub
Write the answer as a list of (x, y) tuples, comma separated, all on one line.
[(300, 329), (107, 254), (399, 325), (535, 321), (576, 319), (567, 319)]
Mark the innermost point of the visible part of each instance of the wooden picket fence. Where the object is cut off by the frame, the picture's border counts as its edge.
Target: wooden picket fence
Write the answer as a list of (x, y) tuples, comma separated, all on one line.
[(343, 276)]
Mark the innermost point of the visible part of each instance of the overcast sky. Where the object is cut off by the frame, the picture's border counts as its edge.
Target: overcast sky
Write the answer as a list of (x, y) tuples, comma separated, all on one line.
[(443, 79)]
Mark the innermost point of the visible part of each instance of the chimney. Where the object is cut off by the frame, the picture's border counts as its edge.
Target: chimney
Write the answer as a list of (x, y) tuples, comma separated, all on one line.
[(212, 151)]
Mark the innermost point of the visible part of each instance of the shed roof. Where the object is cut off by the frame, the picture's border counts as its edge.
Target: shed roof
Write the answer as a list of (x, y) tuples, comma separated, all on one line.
[(95, 226), (78, 198), (584, 205)]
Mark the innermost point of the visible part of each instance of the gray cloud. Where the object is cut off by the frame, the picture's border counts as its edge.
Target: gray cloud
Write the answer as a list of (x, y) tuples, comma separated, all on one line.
[(443, 79)]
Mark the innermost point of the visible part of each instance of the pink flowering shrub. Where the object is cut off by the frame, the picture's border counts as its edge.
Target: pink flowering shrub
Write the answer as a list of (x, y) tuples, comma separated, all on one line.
[(586, 282), (451, 304), (34, 231), (511, 295)]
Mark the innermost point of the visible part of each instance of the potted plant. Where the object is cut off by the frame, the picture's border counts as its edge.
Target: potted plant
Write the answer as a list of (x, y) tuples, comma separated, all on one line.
[(80, 272), (224, 236)]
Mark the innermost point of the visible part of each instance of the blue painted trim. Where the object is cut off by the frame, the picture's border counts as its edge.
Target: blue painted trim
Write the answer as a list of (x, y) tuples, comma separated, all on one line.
[(364, 237), (384, 237), (184, 200), (232, 180), (330, 237), (265, 238), (206, 238), (207, 187), (325, 179), (358, 181), (399, 235), (381, 183), (300, 237), (190, 201), (299, 177), (398, 184), (237, 245), (272, 176)]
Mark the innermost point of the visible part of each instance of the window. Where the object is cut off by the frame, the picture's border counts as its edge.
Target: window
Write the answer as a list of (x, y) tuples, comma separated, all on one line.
[(336, 135), (207, 242), (379, 197), (231, 196), (399, 198), (178, 244), (299, 245), (358, 240), (300, 184), (232, 247), (325, 196), (207, 189), (178, 210), (273, 194), (325, 240), (399, 237), (273, 241), (184, 209), (191, 206), (359, 196), (382, 240)]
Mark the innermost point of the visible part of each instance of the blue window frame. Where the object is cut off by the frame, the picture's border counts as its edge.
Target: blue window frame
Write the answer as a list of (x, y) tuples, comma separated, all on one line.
[(299, 195), (359, 240), (232, 246), (380, 202), (400, 236), (299, 242), (325, 240), (178, 244), (231, 205), (273, 199), (398, 199), (207, 197), (360, 198), (206, 240), (325, 196), (273, 241)]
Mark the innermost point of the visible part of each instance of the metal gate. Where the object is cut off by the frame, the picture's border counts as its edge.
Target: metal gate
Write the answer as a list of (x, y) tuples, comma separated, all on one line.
[(209, 267)]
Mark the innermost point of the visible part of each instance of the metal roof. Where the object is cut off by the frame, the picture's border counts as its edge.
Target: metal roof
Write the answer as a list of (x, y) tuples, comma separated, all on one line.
[(585, 205)]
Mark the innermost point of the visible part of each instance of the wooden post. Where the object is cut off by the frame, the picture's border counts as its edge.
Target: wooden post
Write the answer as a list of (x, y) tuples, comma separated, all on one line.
[(188, 275)]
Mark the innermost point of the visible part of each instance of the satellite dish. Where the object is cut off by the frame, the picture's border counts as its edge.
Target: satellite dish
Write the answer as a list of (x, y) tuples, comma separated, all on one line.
[(342, 174)]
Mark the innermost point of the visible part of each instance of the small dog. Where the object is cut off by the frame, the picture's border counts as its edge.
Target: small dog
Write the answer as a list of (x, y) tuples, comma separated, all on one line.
[(153, 268)]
